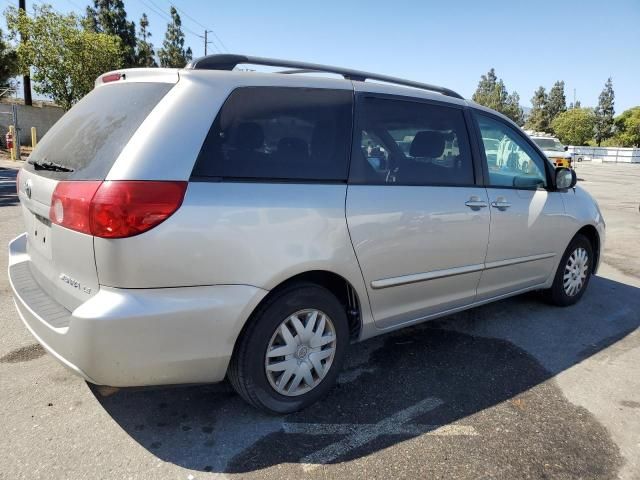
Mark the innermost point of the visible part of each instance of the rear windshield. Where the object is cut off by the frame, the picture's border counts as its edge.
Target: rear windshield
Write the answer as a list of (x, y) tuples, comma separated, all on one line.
[(90, 136)]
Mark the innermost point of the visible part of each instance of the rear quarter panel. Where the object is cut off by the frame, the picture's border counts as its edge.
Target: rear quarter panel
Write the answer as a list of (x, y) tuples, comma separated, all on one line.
[(257, 234)]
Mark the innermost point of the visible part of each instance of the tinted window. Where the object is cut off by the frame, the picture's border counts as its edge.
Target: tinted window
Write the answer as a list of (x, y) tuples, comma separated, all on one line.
[(410, 143), (511, 160), (280, 133), (90, 136)]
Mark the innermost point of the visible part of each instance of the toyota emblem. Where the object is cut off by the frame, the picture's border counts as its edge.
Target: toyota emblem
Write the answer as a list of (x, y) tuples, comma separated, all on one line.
[(27, 188)]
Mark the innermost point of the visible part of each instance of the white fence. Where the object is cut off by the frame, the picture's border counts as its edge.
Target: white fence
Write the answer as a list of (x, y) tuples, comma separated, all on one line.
[(606, 154)]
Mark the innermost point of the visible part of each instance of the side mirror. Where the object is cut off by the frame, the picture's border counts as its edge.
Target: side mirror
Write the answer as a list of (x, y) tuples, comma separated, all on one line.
[(525, 181), (566, 148), (565, 178)]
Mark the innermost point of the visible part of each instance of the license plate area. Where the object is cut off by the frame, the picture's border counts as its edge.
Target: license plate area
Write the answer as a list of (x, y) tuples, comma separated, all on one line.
[(40, 235)]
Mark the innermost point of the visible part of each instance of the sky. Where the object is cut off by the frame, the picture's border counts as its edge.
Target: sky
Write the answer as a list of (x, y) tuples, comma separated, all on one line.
[(449, 43)]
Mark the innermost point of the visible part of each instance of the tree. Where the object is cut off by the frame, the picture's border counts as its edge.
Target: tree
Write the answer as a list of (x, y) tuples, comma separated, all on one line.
[(492, 93), (538, 119), (172, 54), (65, 58), (627, 126), (604, 113), (110, 17), (575, 126), (512, 108), (556, 102), (145, 54), (8, 63)]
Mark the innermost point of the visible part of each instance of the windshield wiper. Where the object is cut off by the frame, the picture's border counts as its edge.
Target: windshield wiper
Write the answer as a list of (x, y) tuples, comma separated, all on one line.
[(51, 166)]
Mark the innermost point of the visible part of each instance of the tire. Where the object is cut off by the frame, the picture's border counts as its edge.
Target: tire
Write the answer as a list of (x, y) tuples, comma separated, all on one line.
[(248, 371), (565, 295)]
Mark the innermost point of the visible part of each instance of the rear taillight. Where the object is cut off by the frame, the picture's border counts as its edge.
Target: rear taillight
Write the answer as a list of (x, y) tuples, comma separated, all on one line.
[(71, 205), (115, 209)]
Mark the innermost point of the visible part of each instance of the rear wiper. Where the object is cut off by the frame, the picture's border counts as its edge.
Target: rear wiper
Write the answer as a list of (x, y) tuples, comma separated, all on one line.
[(51, 166)]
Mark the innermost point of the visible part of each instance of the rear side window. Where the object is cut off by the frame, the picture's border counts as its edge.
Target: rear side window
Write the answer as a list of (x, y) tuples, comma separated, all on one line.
[(410, 143), (279, 133), (90, 136)]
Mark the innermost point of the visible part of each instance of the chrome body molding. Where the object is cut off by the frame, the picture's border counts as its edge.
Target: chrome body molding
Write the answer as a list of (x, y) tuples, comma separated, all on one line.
[(450, 272), (515, 261), (421, 277)]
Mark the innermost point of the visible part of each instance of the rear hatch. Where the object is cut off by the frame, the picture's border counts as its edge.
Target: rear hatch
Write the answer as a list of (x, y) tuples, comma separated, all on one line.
[(79, 151)]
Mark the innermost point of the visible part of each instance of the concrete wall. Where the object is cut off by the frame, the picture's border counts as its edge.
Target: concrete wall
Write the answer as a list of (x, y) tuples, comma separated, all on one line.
[(607, 154), (42, 117)]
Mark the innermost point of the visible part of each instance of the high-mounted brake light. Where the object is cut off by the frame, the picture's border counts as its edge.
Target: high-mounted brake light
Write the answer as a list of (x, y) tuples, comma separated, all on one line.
[(115, 209), (113, 77)]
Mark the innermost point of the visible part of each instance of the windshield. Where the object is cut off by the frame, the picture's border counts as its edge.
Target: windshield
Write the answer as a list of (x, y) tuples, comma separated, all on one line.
[(85, 143), (552, 144)]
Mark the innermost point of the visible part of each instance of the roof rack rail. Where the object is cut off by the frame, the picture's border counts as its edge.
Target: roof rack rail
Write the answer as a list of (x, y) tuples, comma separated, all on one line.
[(230, 61)]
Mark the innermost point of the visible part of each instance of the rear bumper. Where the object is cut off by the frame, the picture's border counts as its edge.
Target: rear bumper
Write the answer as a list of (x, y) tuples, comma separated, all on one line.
[(135, 337)]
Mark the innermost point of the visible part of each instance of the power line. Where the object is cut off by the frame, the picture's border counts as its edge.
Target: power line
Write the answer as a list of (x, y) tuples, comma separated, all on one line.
[(166, 16), (80, 8), (157, 12), (183, 12)]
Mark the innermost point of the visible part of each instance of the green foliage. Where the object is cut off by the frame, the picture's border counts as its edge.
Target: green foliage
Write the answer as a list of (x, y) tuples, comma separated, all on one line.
[(65, 59), (145, 54), (492, 93), (574, 126), (610, 142), (627, 126), (172, 54), (538, 119), (556, 102), (604, 113), (8, 62), (110, 17)]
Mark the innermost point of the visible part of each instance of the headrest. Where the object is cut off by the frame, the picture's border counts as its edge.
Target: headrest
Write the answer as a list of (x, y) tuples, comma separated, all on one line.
[(427, 144), (249, 136)]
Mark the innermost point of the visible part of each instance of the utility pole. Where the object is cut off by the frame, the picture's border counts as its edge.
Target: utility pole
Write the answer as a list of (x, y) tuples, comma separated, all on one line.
[(26, 79), (16, 127), (206, 41)]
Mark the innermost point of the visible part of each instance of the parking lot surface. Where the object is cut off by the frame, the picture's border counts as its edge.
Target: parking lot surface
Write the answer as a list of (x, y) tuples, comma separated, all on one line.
[(515, 389)]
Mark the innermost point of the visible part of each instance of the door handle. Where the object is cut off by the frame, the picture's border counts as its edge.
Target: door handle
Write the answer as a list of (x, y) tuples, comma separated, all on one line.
[(475, 203), (500, 203)]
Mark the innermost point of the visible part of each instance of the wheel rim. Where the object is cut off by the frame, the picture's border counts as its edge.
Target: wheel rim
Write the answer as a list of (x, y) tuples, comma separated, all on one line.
[(575, 271), (300, 352)]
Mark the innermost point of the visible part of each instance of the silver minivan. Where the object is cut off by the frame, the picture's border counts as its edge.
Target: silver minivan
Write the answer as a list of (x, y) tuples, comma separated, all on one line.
[(183, 226)]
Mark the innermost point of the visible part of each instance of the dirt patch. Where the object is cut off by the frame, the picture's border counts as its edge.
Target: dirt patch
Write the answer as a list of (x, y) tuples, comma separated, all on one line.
[(24, 354)]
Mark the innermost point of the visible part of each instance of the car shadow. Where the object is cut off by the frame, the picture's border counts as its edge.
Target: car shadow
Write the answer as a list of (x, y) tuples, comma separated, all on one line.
[(8, 195), (477, 381)]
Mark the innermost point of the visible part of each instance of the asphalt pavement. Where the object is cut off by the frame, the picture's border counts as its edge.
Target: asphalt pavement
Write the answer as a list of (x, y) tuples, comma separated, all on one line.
[(515, 389)]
